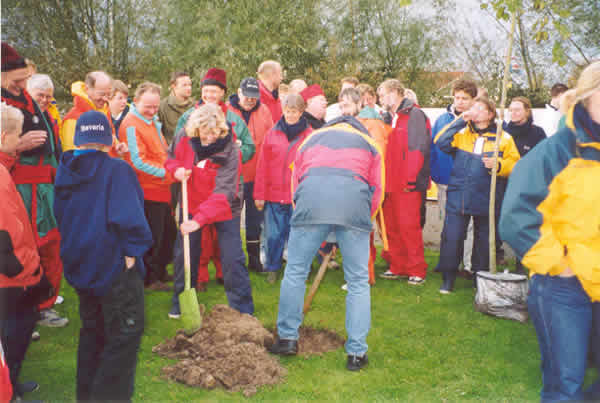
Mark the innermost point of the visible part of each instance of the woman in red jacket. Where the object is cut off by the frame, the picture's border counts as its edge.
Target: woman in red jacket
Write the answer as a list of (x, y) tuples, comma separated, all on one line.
[(272, 183), (213, 162)]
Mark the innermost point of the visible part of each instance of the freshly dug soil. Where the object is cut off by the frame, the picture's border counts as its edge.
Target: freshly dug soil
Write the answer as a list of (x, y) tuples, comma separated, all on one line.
[(317, 341), (229, 351)]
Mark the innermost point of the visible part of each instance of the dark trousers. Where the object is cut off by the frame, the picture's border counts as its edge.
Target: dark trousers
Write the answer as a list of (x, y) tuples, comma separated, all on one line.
[(254, 217), (235, 274), (162, 224), (15, 332), (452, 244), (109, 339)]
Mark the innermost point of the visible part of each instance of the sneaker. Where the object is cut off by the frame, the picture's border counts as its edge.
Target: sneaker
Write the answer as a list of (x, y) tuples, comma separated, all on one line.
[(27, 387), (416, 280), (59, 300), (35, 335), (356, 362), (345, 287), (51, 318), (174, 313), (447, 285), (391, 276)]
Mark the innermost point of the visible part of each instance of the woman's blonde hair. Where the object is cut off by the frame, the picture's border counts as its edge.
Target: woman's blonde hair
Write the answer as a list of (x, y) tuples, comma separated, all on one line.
[(12, 119), (587, 83), (207, 116)]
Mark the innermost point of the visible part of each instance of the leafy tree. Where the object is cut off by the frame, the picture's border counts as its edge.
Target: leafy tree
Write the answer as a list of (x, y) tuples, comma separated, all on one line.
[(69, 38), (238, 36)]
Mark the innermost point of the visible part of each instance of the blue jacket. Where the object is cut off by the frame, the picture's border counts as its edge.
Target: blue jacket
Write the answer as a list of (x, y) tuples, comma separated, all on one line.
[(99, 206), (440, 162)]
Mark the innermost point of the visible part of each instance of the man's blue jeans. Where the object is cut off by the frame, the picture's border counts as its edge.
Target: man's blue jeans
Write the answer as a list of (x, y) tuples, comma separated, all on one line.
[(304, 242), (561, 313)]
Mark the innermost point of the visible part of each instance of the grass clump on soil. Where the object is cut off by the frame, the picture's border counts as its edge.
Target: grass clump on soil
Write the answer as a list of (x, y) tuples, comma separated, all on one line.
[(423, 347)]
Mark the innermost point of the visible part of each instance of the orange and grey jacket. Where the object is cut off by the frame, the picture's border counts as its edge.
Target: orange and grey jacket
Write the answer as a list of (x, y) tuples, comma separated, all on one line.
[(550, 213), (147, 155)]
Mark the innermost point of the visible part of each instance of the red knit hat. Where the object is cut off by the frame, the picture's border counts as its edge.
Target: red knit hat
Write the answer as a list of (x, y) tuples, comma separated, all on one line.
[(216, 77), (11, 59), (312, 91)]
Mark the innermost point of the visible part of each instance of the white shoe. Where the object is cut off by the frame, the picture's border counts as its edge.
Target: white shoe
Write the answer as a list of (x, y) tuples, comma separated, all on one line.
[(59, 300), (416, 280), (345, 287), (51, 318)]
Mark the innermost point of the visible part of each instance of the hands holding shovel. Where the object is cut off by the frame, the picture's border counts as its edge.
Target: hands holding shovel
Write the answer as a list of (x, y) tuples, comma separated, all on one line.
[(187, 226)]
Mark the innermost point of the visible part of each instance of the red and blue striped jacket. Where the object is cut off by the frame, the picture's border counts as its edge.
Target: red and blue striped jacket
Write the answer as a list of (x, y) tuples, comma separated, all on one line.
[(338, 176)]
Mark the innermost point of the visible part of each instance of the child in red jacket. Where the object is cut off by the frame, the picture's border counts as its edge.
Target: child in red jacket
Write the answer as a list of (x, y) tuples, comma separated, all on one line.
[(212, 162)]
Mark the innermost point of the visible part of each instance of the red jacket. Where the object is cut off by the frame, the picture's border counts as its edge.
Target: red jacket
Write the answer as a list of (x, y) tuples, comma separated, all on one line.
[(259, 124), (19, 258), (213, 188), (273, 171), (407, 154), (267, 98)]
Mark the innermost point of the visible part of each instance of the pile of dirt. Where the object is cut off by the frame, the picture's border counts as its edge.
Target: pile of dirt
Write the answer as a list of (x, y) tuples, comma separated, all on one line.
[(229, 351)]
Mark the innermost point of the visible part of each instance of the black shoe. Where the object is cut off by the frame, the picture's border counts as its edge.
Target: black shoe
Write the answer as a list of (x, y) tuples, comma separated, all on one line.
[(253, 249), (356, 362), (284, 347), (27, 387), (448, 284)]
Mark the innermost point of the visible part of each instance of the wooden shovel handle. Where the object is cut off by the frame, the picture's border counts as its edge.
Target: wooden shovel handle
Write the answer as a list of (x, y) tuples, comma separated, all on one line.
[(186, 237), (318, 278)]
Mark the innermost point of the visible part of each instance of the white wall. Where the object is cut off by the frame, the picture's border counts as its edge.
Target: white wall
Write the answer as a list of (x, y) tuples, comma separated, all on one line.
[(540, 116)]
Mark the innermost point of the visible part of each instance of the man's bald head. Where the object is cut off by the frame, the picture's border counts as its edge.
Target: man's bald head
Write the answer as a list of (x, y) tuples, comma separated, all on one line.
[(269, 72), (98, 87)]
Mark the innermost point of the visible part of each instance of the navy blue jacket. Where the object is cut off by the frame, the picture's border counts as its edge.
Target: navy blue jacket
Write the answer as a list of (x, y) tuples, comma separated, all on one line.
[(99, 207), (526, 136)]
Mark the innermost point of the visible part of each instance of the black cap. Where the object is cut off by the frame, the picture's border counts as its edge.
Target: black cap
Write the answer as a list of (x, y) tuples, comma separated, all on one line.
[(249, 87)]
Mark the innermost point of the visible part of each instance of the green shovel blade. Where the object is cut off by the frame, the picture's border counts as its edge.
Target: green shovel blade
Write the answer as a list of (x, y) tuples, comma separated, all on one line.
[(190, 311)]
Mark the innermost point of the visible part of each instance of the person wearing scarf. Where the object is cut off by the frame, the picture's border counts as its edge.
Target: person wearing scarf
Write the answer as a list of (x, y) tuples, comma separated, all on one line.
[(212, 162), (272, 184), (470, 140)]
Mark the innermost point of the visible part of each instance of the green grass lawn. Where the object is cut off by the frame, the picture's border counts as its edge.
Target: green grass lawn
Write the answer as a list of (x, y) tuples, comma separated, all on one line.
[(423, 346)]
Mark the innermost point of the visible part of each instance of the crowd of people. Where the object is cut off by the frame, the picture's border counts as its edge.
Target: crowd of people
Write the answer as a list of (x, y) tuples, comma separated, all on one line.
[(97, 197)]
